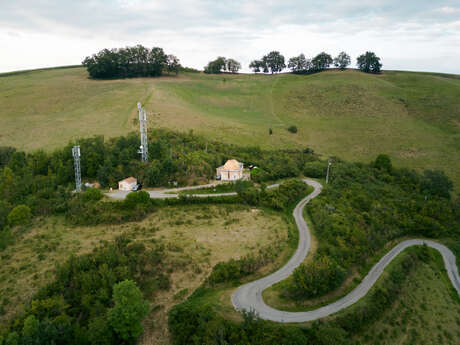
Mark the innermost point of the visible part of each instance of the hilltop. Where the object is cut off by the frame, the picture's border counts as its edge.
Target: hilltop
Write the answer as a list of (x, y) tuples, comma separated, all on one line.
[(413, 117)]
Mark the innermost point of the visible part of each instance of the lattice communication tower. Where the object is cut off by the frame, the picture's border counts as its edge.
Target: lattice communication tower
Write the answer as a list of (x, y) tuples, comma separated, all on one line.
[(144, 148), (76, 164)]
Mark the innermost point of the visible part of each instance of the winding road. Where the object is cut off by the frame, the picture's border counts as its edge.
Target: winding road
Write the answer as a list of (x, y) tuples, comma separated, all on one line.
[(248, 297)]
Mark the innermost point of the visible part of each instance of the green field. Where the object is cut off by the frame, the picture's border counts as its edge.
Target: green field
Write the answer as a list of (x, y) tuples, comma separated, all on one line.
[(413, 117)]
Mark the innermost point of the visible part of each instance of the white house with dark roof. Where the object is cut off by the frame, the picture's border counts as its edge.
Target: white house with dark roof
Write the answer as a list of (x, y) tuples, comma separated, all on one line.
[(230, 171)]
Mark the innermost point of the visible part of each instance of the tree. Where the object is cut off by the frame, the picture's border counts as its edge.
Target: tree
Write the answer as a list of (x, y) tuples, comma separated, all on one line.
[(437, 183), (383, 162), (129, 310), (173, 64), (299, 64), (128, 62), (20, 215), (273, 62), (233, 66), (342, 60), (257, 66), (369, 63), (216, 66), (321, 61)]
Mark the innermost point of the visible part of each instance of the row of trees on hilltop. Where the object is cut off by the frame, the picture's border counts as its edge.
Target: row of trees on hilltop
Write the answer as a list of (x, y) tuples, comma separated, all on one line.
[(274, 62), (222, 64), (130, 62)]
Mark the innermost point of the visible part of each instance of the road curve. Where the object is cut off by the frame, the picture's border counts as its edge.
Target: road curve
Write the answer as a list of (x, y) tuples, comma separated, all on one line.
[(248, 297)]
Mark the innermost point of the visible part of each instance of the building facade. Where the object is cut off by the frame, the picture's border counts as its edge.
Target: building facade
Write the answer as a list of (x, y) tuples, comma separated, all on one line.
[(232, 170), (128, 184)]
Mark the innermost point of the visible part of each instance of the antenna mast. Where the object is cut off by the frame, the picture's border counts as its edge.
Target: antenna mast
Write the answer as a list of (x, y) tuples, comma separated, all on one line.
[(76, 164), (144, 148)]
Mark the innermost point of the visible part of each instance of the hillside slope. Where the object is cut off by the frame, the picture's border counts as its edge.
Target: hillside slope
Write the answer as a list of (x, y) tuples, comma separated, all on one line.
[(414, 117)]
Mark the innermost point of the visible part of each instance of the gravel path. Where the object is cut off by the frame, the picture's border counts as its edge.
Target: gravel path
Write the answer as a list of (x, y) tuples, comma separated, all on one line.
[(248, 297)]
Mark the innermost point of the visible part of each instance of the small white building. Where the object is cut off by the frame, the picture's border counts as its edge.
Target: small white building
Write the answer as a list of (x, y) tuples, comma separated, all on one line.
[(128, 184), (230, 171)]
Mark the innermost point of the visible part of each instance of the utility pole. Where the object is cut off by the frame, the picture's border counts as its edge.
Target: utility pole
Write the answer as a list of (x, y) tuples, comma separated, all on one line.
[(144, 148), (76, 164), (328, 166)]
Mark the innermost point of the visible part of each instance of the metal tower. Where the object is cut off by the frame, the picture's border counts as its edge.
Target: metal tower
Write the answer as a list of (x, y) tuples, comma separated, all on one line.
[(144, 148), (76, 164)]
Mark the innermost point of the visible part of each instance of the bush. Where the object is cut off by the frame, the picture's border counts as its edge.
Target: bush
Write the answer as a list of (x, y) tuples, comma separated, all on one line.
[(383, 162), (292, 129), (129, 310), (139, 198), (436, 183), (92, 194), (316, 278), (315, 169), (20, 215)]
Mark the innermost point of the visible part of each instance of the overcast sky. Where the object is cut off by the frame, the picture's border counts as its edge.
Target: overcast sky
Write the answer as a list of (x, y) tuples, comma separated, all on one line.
[(417, 35)]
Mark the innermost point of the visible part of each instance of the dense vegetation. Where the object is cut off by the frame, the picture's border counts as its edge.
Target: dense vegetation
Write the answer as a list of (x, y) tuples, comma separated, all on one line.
[(94, 299), (40, 183), (363, 208), (130, 62)]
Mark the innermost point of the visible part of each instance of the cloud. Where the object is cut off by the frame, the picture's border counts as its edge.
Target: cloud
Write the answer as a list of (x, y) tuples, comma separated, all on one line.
[(199, 30)]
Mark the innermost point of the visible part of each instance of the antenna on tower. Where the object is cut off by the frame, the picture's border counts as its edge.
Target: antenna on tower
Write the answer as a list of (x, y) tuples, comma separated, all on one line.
[(144, 148), (76, 164)]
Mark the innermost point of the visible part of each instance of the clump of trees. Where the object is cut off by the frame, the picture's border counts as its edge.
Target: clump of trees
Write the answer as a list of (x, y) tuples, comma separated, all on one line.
[(130, 62), (301, 65), (222, 64), (273, 62), (369, 63)]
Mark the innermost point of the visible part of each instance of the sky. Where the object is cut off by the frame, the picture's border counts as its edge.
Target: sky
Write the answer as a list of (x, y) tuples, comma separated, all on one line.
[(414, 35)]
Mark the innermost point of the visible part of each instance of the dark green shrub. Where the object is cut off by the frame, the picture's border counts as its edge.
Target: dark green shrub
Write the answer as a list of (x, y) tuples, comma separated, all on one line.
[(316, 169), (292, 129), (140, 198), (20, 215), (436, 183), (316, 278), (383, 162), (92, 194)]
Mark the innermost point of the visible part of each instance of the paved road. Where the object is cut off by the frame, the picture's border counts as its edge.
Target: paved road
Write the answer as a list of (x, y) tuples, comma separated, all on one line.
[(174, 192), (249, 296)]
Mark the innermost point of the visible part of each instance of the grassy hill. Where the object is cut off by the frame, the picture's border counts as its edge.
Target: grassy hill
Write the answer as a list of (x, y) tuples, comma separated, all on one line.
[(414, 117)]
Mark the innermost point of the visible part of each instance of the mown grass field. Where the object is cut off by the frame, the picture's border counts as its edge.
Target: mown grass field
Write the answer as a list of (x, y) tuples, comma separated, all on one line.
[(413, 117), (195, 238)]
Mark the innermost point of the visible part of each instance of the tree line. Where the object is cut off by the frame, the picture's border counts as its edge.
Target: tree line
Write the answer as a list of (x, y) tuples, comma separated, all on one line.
[(274, 62), (129, 62)]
